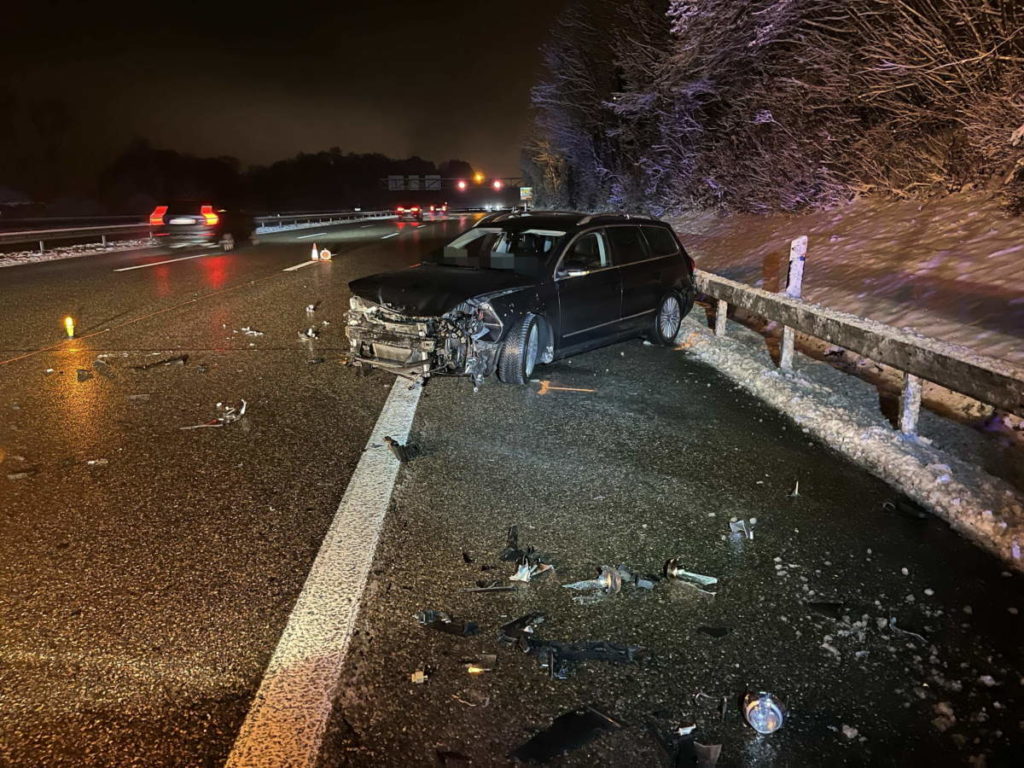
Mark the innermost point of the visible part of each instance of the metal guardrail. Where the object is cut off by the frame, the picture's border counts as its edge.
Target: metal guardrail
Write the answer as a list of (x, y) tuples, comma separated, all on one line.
[(269, 223), (990, 380)]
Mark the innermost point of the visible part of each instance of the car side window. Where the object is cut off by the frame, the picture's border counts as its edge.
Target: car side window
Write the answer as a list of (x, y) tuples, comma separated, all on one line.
[(628, 244), (661, 241), (589, 251)]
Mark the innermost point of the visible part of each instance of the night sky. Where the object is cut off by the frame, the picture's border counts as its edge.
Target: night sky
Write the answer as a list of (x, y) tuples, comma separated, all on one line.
[(438, 79)]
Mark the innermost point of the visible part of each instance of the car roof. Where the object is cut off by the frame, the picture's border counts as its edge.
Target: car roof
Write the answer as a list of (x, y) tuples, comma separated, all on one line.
[(567, 221)]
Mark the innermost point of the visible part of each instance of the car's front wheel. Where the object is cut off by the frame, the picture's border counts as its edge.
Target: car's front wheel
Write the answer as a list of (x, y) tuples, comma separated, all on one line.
[(520, 351), (667, 320)]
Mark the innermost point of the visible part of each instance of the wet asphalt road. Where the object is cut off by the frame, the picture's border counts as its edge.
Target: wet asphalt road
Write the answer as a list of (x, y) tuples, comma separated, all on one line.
[(653, 463), (141, 596)]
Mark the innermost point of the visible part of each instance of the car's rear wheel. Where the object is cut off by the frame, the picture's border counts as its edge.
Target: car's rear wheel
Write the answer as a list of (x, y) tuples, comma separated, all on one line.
[(667, 319), (520, 352), (227, 242)]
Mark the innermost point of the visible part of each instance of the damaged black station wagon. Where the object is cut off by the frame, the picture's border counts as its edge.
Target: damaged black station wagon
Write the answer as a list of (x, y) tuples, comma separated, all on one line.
[(519, 289)]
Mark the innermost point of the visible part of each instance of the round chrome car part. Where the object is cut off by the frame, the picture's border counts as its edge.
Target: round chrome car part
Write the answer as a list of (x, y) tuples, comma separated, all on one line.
[(669, 318)]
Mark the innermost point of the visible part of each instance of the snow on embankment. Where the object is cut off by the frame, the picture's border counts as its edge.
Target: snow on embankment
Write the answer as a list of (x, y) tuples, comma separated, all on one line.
[(981, 507), (71, 251), (950, 268)]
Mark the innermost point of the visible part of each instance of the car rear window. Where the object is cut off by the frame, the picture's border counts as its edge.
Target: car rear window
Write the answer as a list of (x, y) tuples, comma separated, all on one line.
[(661, 241), (184, 207), (627, 244)]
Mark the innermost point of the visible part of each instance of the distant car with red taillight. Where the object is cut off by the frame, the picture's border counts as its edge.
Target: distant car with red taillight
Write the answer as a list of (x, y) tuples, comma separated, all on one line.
[(411, 212), (439, 209), (197, 223)]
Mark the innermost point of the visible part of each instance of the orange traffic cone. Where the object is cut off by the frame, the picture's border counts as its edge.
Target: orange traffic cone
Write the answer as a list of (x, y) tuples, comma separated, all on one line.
[(315, 254)]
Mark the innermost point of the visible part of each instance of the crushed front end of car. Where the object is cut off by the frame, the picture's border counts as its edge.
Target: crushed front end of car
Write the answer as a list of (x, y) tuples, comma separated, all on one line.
[(465, 341)]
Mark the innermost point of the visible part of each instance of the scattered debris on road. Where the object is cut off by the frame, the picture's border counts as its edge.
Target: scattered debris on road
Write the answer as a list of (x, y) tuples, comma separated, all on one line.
[(419, 677), (249, 331), (84, 374), (442, 622), (177, 360), (485, 662), (559, 659), (518, 631), (763, 712), (567, 732), (743, 529), (96, 462), (103, 368), (608, 582), (227, 413), (309, 334), (403, 453), (674, 571)]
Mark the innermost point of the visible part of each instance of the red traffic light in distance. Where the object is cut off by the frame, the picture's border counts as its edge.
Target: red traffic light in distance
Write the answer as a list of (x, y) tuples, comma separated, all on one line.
[(461, 184), (497, 184)]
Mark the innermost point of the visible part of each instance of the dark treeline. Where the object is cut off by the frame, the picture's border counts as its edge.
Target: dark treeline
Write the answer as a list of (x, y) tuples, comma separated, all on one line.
[(764, 105), (41, 175)]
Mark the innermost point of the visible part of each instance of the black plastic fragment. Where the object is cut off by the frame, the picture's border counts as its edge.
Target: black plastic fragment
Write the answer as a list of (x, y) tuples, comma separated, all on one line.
[(828, 608), (442, 622), (403, 453), (518, 631), (567, 732), (560, 658)]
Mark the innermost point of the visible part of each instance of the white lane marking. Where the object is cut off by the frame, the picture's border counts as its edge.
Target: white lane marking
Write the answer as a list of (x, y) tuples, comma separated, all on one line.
[(286, 723), (315, 234), (367, 225), (301, 265), (158, 263), (393, 234)]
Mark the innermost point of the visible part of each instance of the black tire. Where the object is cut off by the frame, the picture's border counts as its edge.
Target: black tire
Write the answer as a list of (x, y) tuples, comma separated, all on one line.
[(667, 319), (520, 352)]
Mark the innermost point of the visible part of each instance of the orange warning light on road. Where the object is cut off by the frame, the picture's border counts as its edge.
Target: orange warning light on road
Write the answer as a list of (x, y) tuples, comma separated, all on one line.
[(69, 326)]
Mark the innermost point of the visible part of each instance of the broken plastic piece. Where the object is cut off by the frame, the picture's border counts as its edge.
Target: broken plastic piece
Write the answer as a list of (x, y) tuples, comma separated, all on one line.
[(96, 462), (567, 732), (84, 375), (309, 334), (763, 712), (742, 529), (403, 453), (251, 331), (674, 571), (311, 308), (527, 571), (442, 622), (179, 360), (419, 677), (608, 581), (229, 413), (491, 586), (559, 658), (518, 631), (628, 577), (472, 698)]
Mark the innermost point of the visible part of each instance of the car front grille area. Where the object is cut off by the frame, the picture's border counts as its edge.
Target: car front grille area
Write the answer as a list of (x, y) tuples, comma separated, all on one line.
[(379, 339)]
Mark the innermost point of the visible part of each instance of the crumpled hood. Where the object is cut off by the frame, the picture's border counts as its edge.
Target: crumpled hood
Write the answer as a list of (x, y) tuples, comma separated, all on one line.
[(429, 290)]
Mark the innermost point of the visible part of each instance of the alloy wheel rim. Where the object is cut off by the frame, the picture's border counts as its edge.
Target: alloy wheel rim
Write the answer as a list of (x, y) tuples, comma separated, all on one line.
[(531, 350), (668, 318)]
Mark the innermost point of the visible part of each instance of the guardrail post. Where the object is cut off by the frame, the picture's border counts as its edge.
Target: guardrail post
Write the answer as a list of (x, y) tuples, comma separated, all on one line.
[(721, 315), (794, 287), (910, 404), (41, 249), (103, 239)]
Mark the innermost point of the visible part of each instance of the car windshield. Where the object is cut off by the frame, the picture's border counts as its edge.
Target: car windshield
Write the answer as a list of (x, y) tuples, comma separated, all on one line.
[(492, 248)]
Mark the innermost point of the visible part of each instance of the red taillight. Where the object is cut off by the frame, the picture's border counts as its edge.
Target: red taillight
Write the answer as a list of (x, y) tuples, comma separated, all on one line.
[(156, 218), (415, 208), (209, 217), (400, 209)]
